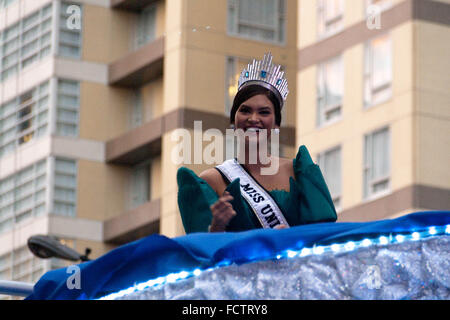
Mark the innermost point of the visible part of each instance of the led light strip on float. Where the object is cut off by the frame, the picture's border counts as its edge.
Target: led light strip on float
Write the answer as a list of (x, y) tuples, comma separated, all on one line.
[(334, 248)]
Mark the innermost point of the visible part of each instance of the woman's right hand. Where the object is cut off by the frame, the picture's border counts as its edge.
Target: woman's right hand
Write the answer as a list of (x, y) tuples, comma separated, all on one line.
[(222, 213)]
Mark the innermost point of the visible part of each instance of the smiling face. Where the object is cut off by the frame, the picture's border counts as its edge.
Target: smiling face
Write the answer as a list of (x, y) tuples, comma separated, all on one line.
[(256, 112)]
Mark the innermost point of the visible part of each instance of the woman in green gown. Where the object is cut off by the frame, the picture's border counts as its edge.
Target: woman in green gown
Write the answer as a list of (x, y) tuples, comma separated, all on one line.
[(237, 195)]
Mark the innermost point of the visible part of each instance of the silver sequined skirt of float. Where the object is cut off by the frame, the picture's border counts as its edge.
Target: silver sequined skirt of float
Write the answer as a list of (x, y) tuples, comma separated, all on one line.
[(409, 270)]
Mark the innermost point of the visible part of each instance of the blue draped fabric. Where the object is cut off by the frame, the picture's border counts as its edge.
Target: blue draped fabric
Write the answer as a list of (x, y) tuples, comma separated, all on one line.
[(157, 255)]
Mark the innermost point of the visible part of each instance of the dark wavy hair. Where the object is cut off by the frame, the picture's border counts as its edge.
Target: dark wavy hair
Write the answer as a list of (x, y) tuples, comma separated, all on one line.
[(251, 91)]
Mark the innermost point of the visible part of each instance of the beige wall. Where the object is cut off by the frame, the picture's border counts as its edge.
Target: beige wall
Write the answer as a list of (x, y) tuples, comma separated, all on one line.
[(98, 100), (152, 99), (155, 178), (96, 182), (106, 33), (170, 221), (116, 103), (160, 18), (432, 110), (397, 113)]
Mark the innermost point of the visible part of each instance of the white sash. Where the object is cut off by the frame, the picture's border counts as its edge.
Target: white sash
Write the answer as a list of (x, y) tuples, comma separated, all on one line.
[(263, 205)]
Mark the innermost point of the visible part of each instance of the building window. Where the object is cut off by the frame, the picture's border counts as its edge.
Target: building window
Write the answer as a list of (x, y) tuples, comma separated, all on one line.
[(22, 195), (6, 3), (65, 185), (330, 165), (70, 30), (21, 265), (136, 109), (262, 20), (26, 267), (330, 15), (27, 117), (146, 26), (330, 89), (380, 4), (68, 105), (5, 266), (140, 185), (25, 42), (376, 163), (24, 118), (377, 71)]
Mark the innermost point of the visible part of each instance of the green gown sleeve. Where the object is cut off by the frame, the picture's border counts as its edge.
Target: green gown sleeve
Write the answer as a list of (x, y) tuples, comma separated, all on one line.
[(195, 196), (310, 192)]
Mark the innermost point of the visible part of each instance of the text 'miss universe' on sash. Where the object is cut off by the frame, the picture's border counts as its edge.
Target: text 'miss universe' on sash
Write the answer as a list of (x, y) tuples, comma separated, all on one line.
[(262, 204)]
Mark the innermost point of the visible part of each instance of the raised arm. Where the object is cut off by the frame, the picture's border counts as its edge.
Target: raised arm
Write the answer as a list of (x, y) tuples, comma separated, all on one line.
[(222, 210)]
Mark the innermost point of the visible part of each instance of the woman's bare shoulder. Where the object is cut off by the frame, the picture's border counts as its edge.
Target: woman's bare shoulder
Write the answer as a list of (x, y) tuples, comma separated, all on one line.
[(210, 174), (213, 178), (287, 165)]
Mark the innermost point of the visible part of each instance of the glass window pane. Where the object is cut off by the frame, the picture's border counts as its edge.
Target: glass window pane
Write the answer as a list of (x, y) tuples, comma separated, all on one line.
[(330, 13), (257, 19), (330, 89), (31, 20), (146, 26), (11, 32), (69, 36), (334, 82), (380, 154), (334, 8), (331, 169), (257, 12), (140, 185), (67, 116), (67, 166), (377, 162), (382, 64), (30, 35), (65, 187)]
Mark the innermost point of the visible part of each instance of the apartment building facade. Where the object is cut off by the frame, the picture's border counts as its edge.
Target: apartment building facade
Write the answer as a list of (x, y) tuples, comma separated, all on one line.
[(92, 92), (377, 75)]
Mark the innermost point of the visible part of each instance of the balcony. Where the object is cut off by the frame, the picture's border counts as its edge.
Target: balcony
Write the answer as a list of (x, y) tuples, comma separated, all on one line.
[(133, 224), (138, 67), (131, 5)]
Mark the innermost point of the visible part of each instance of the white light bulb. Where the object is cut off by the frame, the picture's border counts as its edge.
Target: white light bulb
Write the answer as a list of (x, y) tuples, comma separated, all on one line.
[(172, 277), (318, 250), (197, 272), (335, 247), (383, 240), (305, 252), (349, 246), (291, 253)]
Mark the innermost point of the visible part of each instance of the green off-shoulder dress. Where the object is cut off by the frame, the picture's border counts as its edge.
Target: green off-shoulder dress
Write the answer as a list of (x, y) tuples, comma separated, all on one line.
[(308, 200)]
